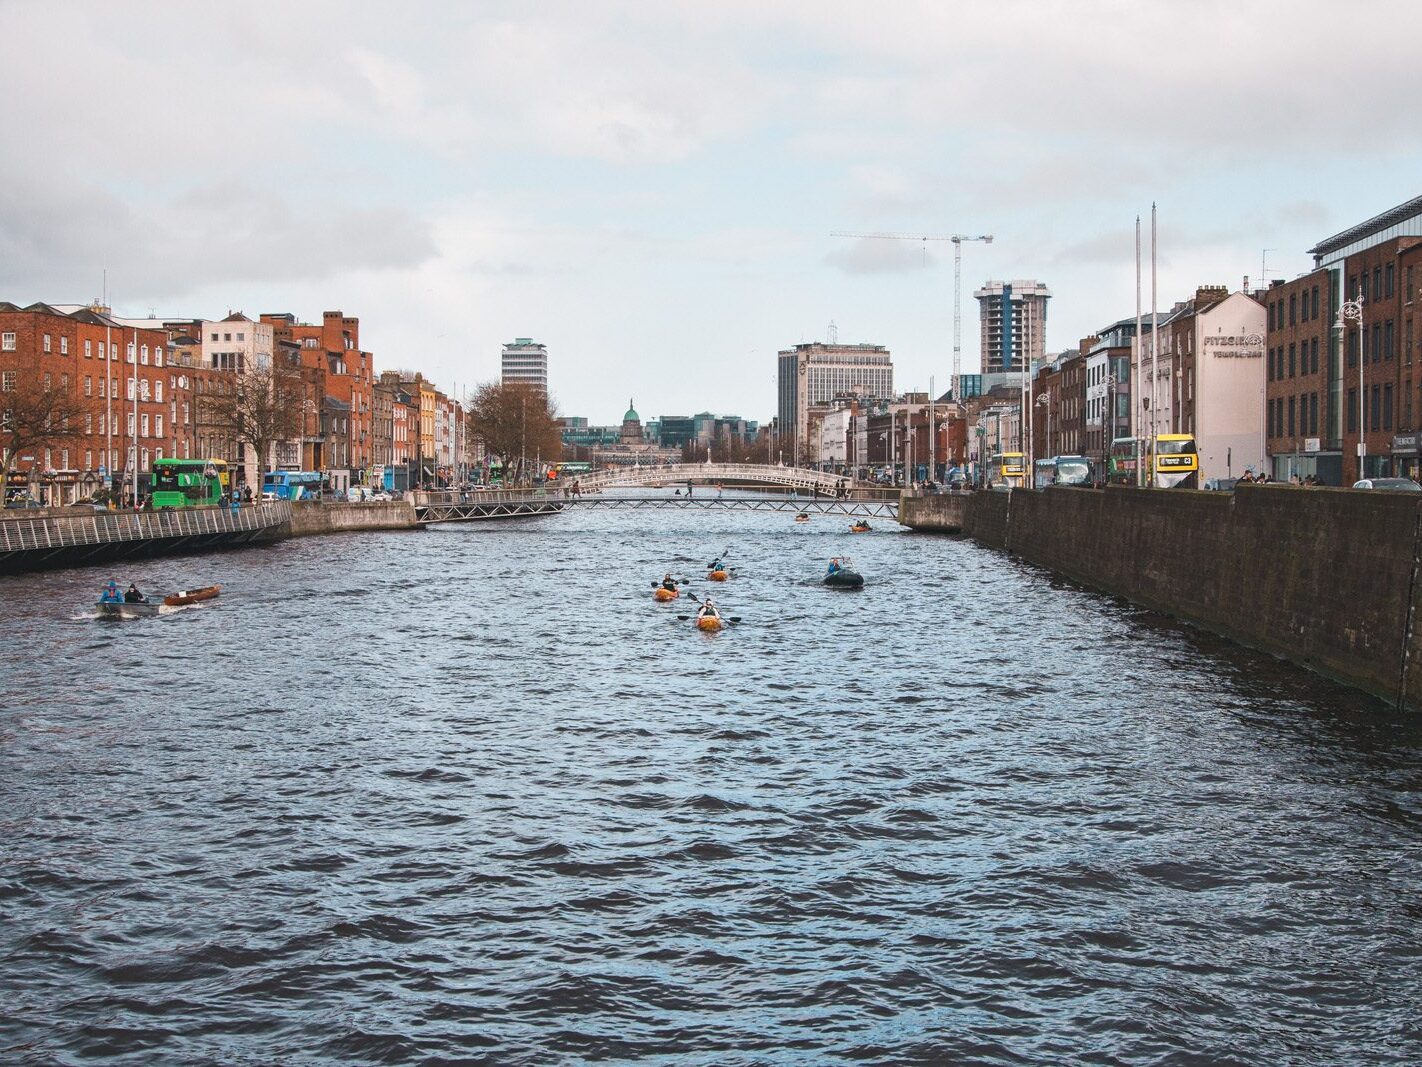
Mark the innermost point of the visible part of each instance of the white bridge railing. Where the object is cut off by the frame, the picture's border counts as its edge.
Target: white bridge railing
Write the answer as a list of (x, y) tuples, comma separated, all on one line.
[(65, 531), (710, 474)]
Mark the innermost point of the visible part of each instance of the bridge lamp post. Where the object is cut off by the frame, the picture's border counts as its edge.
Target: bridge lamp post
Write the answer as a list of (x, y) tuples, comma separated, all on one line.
[(1353, 310)]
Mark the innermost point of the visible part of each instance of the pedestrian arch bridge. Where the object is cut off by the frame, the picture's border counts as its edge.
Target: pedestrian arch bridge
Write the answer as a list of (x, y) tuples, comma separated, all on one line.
[(739, 474)]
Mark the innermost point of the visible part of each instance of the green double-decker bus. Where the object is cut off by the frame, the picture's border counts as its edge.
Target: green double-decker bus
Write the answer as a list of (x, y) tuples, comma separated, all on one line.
[(188, 483)]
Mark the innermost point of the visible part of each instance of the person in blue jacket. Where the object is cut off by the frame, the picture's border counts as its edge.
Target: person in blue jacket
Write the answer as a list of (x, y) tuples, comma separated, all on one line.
[(111, 594)]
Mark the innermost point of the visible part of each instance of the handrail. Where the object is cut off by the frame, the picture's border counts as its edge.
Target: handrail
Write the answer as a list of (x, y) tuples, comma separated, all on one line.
[(69, 531)]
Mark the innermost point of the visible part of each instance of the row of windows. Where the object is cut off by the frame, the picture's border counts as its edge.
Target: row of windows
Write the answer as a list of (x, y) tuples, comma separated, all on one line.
[(1377, 407), (1302, 359), (1377, 343), (1295, 415), (1382, 287), (1303, 310)]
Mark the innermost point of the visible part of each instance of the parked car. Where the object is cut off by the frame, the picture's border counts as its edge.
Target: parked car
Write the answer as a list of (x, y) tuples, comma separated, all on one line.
[(379, 494), (23, 500), (1407, 485)]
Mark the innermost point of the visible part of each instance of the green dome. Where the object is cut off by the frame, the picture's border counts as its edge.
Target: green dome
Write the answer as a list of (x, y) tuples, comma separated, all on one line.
[(631, 415)]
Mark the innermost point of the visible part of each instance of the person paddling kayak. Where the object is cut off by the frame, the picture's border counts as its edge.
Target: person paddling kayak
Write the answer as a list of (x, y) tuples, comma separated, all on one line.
[(708, 610), (668, 582)]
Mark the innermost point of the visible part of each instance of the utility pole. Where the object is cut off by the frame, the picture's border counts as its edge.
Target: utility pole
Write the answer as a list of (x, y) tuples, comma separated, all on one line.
[(957, 239)]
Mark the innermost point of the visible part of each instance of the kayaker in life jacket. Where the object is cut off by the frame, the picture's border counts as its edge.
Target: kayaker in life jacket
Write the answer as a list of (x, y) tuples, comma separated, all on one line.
[(668, 582), (716, 565), (708, 610)]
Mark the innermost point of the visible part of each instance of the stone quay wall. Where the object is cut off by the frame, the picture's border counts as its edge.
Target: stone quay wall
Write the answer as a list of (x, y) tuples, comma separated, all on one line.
[(1327, 578), (313, 519)]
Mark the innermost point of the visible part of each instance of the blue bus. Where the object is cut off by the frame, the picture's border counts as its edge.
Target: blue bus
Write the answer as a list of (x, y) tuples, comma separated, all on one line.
[(291, 485)]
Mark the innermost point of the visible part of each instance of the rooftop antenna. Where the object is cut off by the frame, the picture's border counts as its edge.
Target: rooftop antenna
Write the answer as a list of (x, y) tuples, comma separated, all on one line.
[(833, 333), (1263, 266)]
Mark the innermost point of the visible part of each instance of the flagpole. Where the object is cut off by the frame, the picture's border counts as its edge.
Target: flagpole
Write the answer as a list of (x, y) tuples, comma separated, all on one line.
[(1140, 357)]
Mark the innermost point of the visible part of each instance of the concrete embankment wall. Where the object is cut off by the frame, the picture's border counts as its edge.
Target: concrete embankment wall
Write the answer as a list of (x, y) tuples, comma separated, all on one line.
[(313, 519), (944, 512), (1324, 578)]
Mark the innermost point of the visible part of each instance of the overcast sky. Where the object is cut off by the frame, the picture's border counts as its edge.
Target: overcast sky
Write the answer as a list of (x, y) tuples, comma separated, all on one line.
[(649, 187)]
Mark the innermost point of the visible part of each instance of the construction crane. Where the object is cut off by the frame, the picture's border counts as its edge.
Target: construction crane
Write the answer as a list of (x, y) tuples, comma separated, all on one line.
[(957, 239)]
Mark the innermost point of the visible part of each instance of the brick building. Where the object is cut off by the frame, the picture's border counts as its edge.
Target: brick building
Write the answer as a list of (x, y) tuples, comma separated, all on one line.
[(123, 374), (1299, 321)]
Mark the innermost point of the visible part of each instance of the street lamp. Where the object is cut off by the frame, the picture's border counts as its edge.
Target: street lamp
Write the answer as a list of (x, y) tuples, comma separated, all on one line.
[(1353, 309), (1046, 400)]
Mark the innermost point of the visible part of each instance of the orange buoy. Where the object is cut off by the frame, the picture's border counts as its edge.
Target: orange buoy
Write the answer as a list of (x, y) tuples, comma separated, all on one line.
[(664, 594), (709, 623), (718, 576)]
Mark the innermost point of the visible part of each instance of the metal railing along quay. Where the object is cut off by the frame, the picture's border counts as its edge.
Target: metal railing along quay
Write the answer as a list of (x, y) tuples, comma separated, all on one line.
[(27, 543)]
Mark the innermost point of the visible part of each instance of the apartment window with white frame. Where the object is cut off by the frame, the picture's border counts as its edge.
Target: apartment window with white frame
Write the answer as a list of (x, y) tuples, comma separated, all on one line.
[(88, 385), (158, 390), (88, 349), (88, 459), (145, 459), (143, 389), (157, 356), (46, 342), (64, 348), (131, 392), (143, 356), (144, 424), (132, 353), (7, 342), (64, 459), (157, 425)]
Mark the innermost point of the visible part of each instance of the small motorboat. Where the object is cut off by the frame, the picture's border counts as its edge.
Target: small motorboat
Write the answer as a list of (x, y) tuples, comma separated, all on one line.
[(840, 576), (718, 576), (191, 596), (663, 594), (860, 527), (128, 609), (802, 517)]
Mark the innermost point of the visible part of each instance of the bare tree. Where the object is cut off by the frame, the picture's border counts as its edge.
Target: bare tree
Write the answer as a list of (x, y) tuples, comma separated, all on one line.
[(34, 415), (516, 421), (259, 407)]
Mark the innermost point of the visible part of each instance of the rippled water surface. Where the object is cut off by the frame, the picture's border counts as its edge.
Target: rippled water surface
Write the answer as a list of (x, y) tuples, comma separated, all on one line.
[(469, 795)]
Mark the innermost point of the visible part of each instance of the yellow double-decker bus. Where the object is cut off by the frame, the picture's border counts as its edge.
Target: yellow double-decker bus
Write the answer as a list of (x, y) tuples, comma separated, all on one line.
[(1176, 461), (1171, 463), (1009, 468)]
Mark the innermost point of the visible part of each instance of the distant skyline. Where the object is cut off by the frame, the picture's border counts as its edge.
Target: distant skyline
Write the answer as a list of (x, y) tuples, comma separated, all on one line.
[(649, 188)]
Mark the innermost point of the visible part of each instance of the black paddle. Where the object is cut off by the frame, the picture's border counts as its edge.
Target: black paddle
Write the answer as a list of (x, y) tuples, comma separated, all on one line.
[(683, 581)]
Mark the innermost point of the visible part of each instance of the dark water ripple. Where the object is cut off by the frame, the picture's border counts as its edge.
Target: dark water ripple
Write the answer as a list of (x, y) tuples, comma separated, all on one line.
[(468, 796)]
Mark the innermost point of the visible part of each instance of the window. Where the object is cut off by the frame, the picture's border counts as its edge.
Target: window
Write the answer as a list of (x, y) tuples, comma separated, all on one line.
[(1374, 420), (144, 356), (88, 459), (1387, 340), (48, 383), (227, 337), (157, 356), (143, 389), (64, 383), (46, 342), (88, 385), (1408, 294), (130, 424), (214, 337), (64, 349), (1387, 406), (7, 342), (88, 349), (1291, 416), (1313, 356), (243, 336), (1387, 280), (143, 421), (158, 424), (1377, 341), (101, 424), (1271, 364), (89, 424), (7, 381), (1352, 411), (131, 353), (1406, 406), (101, 389), (158, 390), (1291, 360), (1293, 309), (1272, 324), (1313, 414), (1315, 301), (1377, 284), (131, 389)]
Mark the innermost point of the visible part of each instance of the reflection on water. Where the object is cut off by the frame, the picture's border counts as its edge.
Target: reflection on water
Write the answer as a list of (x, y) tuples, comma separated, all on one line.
[(470, 794)]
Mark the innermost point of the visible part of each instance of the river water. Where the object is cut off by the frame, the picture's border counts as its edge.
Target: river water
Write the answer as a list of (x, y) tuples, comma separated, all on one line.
[(468, 795)]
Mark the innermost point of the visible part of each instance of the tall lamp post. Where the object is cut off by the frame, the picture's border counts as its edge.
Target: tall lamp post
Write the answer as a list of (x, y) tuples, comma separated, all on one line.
[(1353, 310), (1045, 400)]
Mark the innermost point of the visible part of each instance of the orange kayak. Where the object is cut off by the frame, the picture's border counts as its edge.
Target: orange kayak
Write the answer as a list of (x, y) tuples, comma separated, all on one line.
[(718, 576), (709, 623), (663, 594)]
